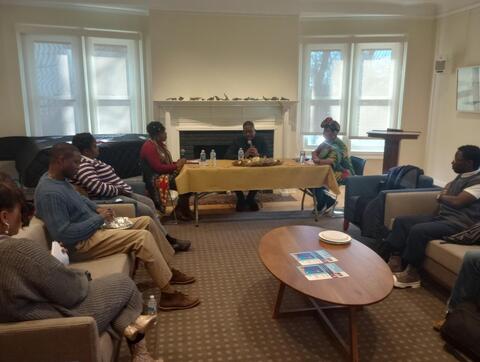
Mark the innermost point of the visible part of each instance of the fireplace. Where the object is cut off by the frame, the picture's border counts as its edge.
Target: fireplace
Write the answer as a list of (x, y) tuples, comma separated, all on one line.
[(197, 125), (194, 141)]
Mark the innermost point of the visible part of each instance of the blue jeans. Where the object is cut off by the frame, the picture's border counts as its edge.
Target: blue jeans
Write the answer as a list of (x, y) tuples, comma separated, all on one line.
[(467, 286), (323, 199)]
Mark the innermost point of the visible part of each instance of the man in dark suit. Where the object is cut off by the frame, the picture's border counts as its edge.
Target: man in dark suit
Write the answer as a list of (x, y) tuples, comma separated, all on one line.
[(253, 145)]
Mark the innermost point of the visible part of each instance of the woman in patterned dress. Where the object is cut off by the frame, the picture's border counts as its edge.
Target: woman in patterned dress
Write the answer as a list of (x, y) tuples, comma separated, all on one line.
[(332, 152)]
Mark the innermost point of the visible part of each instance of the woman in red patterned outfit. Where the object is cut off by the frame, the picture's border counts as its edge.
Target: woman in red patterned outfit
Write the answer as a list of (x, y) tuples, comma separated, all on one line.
[(154, 152)]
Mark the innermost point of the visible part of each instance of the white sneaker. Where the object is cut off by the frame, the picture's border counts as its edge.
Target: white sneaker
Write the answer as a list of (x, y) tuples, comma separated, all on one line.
[(409, 278), (329, 211)]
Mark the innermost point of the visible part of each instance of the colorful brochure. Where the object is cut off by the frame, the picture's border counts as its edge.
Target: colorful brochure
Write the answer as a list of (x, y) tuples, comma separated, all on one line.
[(322, 271), (313, 257)]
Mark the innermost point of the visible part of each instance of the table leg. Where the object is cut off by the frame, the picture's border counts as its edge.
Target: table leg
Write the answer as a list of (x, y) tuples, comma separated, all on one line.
[(315, 211), (390, 154), (195, 207), (353, 334), (278, 302)]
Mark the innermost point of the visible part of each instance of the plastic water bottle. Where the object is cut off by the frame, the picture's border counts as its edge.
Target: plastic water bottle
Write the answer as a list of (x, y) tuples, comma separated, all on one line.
[(213, 158), (241, 154), (302, 157), (152, 305), (203, 158)]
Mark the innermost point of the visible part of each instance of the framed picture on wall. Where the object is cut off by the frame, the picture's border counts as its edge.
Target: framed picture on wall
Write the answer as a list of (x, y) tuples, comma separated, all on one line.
[(468, 89)]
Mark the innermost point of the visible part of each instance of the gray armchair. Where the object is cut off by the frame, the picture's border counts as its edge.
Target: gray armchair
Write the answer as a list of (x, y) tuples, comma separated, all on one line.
[(359, 189)]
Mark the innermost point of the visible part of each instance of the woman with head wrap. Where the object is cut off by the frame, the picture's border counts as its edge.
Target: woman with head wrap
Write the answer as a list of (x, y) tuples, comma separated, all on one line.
[(331, 152)]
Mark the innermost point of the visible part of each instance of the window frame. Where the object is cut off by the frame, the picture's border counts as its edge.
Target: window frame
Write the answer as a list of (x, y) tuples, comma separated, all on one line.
[(355, 44), (32, 100), (82, 34), (307, 102)]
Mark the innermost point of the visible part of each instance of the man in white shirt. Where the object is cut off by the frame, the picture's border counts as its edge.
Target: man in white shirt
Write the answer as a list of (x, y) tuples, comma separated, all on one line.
[(459, 209)]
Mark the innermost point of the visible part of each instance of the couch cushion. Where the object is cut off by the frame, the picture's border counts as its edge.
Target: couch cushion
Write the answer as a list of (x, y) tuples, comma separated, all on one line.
[(117, 263), (35, 231), (448, 255)]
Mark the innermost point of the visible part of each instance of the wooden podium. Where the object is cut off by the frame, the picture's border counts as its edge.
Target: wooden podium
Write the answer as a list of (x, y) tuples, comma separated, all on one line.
[(392, 145)]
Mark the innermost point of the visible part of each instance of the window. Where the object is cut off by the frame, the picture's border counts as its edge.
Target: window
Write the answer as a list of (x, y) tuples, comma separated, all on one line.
[(78, 83), (358, 84)]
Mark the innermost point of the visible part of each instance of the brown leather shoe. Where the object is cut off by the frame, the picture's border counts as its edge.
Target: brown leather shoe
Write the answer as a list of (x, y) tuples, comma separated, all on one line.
[(180, 278), (437, 325), (176, 301)]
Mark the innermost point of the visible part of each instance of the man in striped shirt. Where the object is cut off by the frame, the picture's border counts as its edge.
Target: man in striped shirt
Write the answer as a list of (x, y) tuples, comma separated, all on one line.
[(100, 181)]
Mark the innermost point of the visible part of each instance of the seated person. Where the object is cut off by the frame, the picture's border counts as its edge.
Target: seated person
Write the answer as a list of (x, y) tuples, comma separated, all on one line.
[(467, 285), (100, 181), (77, 222), (253, 145), (332, 152), (156, 155), (34, 285), (459, 208)]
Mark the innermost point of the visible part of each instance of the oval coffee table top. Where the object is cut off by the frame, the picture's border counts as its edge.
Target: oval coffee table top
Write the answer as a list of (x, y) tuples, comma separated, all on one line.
[(369, 281)]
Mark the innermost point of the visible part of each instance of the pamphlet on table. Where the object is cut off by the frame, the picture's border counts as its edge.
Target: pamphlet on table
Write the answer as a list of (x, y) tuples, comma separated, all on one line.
[(320, 256), (318, 265)]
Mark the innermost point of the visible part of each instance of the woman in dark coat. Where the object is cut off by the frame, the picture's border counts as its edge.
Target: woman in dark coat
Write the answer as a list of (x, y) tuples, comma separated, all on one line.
[(35, 285)]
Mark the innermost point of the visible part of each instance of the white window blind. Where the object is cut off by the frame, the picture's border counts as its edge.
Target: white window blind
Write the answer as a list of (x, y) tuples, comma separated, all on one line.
[(81, 83), (357, 84)]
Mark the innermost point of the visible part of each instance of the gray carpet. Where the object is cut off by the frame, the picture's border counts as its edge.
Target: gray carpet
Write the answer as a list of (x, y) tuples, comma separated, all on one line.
[(234, 321)]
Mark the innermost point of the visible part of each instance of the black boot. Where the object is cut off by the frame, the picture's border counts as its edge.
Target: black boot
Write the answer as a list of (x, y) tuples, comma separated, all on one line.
[(251, 202), (241, 204), (177, 244)]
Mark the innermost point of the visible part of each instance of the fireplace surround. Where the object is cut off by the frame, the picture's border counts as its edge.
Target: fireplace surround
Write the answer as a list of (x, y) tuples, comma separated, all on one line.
[(206, 120)]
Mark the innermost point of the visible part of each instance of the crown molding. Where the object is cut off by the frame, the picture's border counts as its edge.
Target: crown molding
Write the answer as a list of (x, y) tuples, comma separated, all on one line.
[(335, 11), (457, 11), (111, 9)]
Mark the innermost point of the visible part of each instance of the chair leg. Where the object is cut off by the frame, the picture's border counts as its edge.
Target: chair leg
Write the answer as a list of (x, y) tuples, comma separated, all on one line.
[(173, 208), (303, 199), (346, 224), (260, 198)]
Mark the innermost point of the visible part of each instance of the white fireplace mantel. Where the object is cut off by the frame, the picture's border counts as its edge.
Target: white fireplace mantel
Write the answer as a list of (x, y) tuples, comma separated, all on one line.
[(279, 116)]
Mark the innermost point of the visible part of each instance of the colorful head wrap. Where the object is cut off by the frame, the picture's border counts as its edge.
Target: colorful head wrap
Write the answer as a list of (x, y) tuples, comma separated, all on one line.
[(331, 124)]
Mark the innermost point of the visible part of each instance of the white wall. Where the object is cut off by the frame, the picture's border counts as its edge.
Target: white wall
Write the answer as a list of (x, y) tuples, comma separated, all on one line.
[(205, 55), (200, 55), (457, 41)]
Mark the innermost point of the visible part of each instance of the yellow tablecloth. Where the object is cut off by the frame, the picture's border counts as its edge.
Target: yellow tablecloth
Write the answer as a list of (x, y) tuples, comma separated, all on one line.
[(226, 177)]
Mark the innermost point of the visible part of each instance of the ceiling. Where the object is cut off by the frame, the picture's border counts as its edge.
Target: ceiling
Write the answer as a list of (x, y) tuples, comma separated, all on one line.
[(305, 8)]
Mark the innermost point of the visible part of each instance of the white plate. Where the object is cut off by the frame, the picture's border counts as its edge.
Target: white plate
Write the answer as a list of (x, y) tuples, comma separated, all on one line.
[(119, 223), (334, 237)]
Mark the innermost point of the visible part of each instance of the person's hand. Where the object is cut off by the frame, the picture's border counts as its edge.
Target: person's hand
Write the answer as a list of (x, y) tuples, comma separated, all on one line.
[(251, 152), (107, 214), (124, 192), (180, 163)]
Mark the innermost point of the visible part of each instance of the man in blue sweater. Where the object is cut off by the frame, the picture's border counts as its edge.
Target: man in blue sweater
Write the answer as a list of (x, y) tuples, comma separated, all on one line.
[(78, 222)]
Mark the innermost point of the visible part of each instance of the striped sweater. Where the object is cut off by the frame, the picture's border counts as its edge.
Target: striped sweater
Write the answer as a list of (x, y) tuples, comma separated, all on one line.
[(99, 179)]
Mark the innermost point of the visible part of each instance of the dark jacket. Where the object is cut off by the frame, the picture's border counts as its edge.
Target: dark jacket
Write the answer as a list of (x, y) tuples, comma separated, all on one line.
[(241, 142)]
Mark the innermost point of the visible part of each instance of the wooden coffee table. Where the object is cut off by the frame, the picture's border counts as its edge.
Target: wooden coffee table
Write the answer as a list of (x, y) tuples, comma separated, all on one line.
[(369, 281)]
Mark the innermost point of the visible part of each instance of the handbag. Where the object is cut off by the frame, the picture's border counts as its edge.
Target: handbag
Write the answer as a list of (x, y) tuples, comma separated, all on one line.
[(461, 329), (467, 237)]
